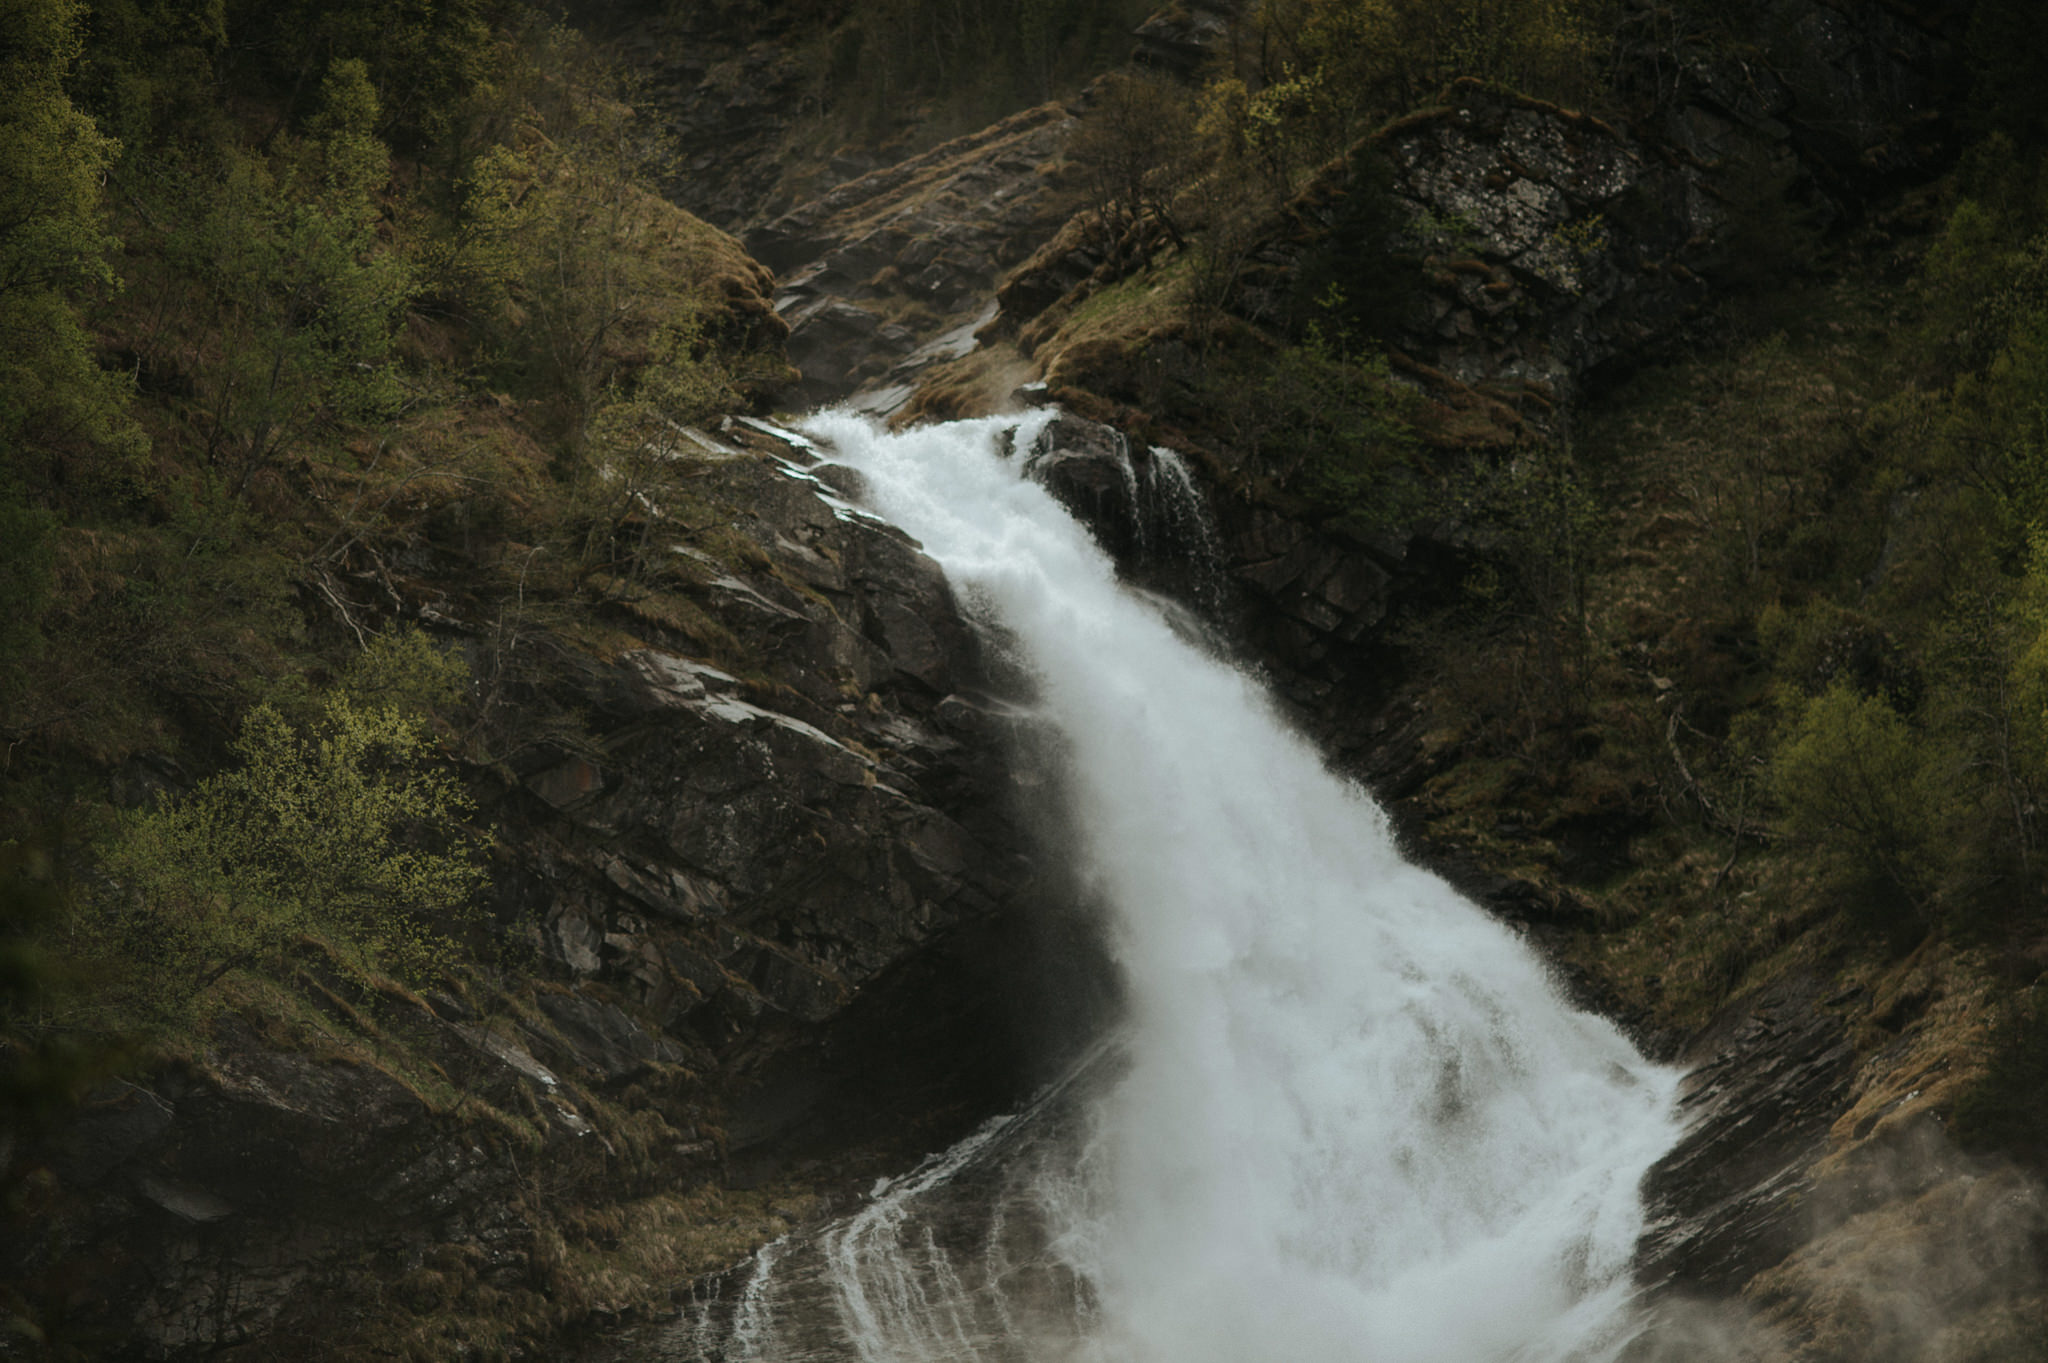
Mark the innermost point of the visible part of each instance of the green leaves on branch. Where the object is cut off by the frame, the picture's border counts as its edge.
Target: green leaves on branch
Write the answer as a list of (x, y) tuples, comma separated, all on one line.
[(1328, 69), (294, 303), (340, 829), (585, 284), (1862, 791), (1136, 151), (55, 400)]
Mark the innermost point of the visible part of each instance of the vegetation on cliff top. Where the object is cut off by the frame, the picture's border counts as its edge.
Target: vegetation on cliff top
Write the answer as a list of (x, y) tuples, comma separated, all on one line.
[(311, 314), (345, 271), (1750, 665)]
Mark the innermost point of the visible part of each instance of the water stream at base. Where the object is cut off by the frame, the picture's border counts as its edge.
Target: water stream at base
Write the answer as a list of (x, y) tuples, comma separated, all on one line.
[(1347, 1116)]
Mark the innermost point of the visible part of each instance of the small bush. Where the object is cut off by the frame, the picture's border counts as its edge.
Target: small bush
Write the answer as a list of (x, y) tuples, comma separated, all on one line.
[(339, 829), (1865, 794)]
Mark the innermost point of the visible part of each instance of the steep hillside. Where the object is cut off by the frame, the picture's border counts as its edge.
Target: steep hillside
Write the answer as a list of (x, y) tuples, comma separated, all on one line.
[(490, 832)]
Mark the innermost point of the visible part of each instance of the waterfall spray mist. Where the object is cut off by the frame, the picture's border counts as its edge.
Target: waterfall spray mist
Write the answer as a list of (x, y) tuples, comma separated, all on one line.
[(1354, 1119)]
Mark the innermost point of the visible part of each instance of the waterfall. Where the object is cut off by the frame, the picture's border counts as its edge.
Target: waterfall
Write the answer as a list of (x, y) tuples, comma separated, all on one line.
[(1347, 1115)]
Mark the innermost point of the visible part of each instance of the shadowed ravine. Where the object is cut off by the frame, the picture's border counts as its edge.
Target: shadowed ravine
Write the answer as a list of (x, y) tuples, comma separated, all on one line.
[(1346, 1115)]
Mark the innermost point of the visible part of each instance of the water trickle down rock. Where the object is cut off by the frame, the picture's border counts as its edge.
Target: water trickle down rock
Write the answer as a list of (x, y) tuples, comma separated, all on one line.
[(1141, 503)]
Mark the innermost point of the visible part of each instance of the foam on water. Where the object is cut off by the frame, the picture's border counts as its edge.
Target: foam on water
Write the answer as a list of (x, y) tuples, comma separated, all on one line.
[(1355, 1121)]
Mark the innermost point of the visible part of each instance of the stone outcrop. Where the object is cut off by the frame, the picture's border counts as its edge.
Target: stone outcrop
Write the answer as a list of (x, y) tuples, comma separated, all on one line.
[(736, 859), (1181, 39), (723, 83), (892, 271), (1765, 1083)]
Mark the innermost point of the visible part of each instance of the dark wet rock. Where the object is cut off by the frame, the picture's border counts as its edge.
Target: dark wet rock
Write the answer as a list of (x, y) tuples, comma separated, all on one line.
[(186, 1201), (1856, 91), (723, 83), (603, 1038), (117, 1123), (499, 1043), (1091, 469), (929, 238), (142, 780), (1768, 1078), (715, 869), (1181, 39), (1141, 504), (229, 1190), (568, 784)]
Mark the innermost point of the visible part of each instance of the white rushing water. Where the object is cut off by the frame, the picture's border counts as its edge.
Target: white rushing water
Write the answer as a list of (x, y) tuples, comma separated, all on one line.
[(1353, 1119)]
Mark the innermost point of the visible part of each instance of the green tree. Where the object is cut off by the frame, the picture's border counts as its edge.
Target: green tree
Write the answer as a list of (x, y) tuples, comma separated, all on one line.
[(1866, 794), (151, 70), (340, 829), (1136, 151), (640, 450), (1325, 68), (298, 301), (60, 412), (24, 589)]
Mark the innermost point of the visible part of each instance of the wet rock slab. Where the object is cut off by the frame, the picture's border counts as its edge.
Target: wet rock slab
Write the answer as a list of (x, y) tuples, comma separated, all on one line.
[(1768, 1078)]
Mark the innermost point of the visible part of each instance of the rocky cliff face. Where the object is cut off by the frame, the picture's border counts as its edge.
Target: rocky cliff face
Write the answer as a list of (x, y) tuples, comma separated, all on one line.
[(745, 911), (1559, 252), (893, 271), (772, 898)]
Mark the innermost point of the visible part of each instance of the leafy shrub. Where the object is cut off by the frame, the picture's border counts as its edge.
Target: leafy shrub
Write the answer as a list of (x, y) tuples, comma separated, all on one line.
[(1865, 794), (289, 303), (57, 406), (2007, 1110), (339, 829), (1332, 64), (1136, 151), (1352, 278)]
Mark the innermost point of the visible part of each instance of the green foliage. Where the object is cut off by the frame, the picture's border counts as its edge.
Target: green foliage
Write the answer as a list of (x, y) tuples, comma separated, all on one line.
[(52, 155), (1326, 68), (55, 400), (292, 303), (25, 585), (1986, 273), (1753, 470), (549, 237), (1136, 150), (354, 163), (576, 275), (1352, 278), (151, 68), (40, 1070), (407, 672), (638, 449), (1866, 795), (1337, 426), (423, 60), (341, 830), (1528, 596)]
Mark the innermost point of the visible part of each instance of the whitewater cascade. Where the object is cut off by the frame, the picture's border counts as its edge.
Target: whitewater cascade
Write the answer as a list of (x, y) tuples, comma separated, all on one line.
[(1347, 1116)]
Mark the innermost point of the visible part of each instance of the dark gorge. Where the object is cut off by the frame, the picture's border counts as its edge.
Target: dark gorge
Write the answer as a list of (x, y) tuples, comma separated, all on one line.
[(874, 679)]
